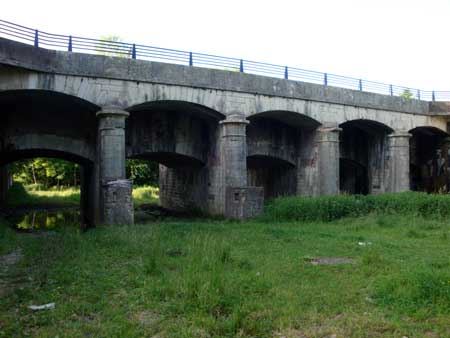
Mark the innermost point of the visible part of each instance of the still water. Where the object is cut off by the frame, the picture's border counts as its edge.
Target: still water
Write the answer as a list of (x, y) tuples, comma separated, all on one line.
[(31, 220)]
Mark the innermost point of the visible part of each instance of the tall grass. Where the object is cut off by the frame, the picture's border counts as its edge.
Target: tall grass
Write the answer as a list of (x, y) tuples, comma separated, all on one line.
[(329, 208), (145, 195)]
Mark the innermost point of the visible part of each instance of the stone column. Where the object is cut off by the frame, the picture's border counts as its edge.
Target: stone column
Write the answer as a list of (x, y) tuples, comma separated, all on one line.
[(238, 200), (398, 162), (328, 159), (116, 204), (234, 150)]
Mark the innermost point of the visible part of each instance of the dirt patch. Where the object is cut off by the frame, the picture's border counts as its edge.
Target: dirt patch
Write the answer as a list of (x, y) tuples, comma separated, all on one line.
[(330, 260), (148, 318)]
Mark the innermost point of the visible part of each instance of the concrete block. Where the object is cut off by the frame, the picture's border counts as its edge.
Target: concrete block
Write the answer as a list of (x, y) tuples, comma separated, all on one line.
[(243, 202), (118, 202)]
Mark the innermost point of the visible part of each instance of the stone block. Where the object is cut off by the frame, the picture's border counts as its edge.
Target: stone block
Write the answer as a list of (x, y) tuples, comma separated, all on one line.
[(118, 202), (243, 202)]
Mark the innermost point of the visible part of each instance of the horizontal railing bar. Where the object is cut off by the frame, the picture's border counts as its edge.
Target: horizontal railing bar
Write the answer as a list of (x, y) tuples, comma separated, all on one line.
[(129, 50)]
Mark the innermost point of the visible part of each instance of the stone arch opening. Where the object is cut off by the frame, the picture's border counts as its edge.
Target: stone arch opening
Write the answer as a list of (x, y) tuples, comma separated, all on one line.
[(363, 152), (40, 123), (83, 177), (429, 159), (181, 137), (275, 143)]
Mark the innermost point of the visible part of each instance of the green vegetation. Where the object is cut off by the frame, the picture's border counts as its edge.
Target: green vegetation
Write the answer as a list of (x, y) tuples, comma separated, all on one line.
[(207, 278), (31, 195), (145, 195), (407, 94), (46, 173), (329, 208)]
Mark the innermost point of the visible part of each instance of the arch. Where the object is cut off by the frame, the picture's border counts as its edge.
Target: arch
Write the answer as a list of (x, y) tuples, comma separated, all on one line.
[(170, 160), (429, 130), (290, 118), (363, 151), (187, 107), (79, 151), (369, 126), (267, 161), (429, 159), (33, 97)]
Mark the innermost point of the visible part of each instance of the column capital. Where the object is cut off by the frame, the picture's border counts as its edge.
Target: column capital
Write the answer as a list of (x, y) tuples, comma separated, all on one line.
[(236, 118), (400, 133), (328, 133), (112, 112)]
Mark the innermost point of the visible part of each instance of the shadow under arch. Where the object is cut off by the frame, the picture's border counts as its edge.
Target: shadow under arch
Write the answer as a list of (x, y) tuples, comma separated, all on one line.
[(35, 99), (290, 118), (429, 159), (363, 150), (274, 144), (185, 107), (181, 137)]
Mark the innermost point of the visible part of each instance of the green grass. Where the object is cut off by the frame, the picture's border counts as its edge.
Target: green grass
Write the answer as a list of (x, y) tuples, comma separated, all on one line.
[(20, 195), (231, 279), (33, 195), (145, 195), (329, 208)]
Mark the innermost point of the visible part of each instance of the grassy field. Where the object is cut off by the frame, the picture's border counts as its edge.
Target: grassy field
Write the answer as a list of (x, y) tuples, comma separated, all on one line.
[(28, 195), (203, 278)]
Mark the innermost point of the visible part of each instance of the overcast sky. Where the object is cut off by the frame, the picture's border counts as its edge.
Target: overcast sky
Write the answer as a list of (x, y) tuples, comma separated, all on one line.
[(403, 42)]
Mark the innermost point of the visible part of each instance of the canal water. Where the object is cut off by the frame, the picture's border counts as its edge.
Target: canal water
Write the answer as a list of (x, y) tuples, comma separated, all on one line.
[(34, 220)]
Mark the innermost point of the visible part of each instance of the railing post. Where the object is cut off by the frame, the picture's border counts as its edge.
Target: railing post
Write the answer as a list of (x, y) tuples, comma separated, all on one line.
[(433, 96), (418, 94), (191, 61), (69, 49), (241, 66), (360, 85), (325, 79), (391, 90), (133, 53), (36, 38), (286, 74)]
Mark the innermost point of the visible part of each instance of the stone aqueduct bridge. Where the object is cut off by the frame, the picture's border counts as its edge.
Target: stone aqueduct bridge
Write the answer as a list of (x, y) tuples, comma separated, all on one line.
[(216, 134)]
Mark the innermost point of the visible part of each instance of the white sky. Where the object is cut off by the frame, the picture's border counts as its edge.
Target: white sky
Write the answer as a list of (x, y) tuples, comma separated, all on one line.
[(403, 42)]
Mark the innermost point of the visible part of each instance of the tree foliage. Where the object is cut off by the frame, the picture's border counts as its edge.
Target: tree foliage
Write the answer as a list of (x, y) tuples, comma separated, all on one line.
[(111, 45), (142, 172), (407, 94), (46, 172)]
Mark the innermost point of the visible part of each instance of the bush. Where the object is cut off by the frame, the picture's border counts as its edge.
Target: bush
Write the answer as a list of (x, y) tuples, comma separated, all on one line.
[(329, 208)]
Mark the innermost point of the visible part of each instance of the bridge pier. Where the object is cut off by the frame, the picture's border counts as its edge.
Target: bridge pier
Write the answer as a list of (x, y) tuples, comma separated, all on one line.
[(238, 199), (114, 191), (398, 162), (318, 168)]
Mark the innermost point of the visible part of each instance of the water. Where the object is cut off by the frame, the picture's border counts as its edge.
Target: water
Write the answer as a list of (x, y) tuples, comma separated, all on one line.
[(32, 220)]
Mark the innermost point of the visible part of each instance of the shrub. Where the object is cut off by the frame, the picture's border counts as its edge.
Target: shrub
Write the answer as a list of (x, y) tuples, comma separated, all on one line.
[(329, 208)]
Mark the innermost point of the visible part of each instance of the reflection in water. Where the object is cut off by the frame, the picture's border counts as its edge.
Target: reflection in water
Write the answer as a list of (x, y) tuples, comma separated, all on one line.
[(46, 220)]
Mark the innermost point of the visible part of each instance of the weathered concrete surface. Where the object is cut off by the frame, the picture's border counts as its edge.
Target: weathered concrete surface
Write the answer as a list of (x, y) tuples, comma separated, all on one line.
[(398, 162), (118, 202), (212, 131), (115, 190), (48, 61), (243, 202)]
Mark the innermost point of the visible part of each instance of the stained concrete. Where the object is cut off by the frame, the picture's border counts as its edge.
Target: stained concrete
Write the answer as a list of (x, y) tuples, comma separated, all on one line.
[(215, 133)]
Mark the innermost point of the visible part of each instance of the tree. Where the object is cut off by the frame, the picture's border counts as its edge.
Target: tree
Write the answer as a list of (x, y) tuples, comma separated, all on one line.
[(113, 45), (407, 94)]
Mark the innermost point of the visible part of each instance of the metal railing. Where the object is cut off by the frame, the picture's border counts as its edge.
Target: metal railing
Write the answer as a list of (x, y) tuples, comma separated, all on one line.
[(135, 51)]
